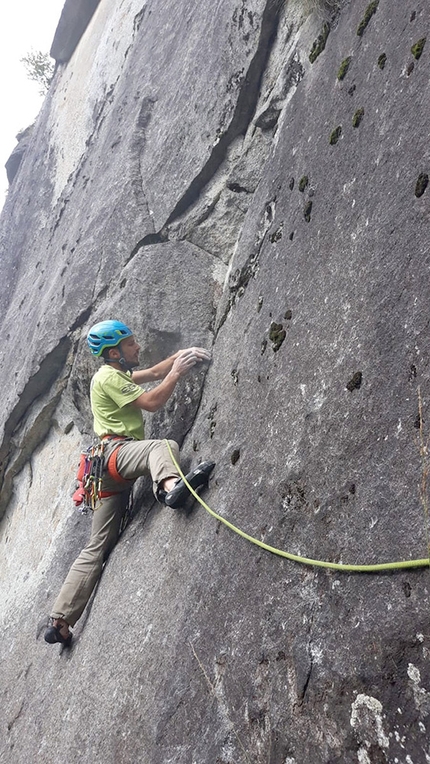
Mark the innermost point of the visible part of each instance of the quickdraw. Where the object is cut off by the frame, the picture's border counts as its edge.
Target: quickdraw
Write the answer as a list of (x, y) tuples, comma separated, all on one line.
[(90, 477)]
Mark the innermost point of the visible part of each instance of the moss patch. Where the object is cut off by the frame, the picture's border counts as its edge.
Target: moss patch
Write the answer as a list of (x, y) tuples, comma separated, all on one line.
[(382, 60), (368, 13), (307, 211), (358, 116), (421, 184), (335, 135), (417, 49), (343, 68), (319, 44), (303, 183), (277, 335)]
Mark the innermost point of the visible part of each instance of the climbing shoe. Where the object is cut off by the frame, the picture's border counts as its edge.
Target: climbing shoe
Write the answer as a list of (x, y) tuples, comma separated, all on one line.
[(53, 635), (197, 478)]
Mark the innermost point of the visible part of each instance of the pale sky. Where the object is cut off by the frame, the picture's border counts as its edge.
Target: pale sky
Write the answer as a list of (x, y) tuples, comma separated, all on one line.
[(24, 25)]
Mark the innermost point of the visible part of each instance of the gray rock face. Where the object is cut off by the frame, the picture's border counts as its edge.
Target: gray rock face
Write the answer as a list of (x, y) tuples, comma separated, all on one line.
[(217, 174), (15, 159), (73, 22)]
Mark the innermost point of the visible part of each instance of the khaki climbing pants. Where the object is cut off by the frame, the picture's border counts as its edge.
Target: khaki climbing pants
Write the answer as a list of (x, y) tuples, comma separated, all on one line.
[(135, 458)]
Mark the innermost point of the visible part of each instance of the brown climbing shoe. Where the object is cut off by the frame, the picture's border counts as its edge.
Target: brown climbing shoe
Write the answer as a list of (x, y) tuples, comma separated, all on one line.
[(53, 633)]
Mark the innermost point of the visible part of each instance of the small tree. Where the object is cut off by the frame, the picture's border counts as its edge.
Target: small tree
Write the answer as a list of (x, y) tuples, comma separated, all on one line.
[(40, 68)]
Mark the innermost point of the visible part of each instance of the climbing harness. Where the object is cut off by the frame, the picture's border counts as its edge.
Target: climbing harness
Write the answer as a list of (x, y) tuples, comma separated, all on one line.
[(92, 465), (377, 568)]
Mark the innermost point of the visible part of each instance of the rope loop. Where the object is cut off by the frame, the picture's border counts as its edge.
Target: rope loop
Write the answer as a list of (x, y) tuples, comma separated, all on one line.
[(376, 568)]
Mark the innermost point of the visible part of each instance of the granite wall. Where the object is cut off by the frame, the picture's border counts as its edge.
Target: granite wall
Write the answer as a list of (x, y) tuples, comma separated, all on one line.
[(249, 175)]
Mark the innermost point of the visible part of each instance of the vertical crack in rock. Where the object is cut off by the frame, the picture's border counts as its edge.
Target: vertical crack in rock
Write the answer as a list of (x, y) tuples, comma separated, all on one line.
[(16, 716), (308, 676), (239, 280), (245, 108), (304, 660), (14, 455)]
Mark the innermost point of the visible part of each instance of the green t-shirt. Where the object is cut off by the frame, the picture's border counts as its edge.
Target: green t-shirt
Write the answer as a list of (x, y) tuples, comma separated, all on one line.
[(112, 393)]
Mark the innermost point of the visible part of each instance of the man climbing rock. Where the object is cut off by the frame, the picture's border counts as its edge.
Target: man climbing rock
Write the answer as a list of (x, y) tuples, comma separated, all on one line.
[(117, 401)]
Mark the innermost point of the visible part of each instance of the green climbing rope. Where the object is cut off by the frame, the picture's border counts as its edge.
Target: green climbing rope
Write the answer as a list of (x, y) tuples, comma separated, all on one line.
[(377, 568)]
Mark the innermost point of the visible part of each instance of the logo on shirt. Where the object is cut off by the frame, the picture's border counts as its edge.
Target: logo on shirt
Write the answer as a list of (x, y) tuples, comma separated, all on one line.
[(130, 388)]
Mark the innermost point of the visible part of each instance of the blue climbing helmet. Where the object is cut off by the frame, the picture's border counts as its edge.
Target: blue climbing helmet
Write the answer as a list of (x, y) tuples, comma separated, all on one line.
[(106, 334)]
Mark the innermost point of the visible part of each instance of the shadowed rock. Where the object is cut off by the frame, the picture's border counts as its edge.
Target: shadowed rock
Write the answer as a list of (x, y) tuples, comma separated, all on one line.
[(72, 24)]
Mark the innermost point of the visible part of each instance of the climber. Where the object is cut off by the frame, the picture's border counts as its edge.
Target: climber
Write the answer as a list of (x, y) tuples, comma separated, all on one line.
[(117, 401)]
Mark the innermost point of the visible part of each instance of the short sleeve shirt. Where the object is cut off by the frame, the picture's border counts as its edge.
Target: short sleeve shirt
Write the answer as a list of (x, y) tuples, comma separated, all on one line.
[(112, 393)]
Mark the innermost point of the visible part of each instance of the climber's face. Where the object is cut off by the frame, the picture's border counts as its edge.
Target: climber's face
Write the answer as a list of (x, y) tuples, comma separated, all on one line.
[(127, 349), (130, 351)]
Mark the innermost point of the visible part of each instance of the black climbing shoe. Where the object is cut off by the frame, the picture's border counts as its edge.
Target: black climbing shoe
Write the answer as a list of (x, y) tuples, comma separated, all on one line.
[(197, 478), (54, 635)]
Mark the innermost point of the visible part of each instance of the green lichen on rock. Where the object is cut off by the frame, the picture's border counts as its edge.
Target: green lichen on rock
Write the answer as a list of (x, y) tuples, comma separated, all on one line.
[(358, 116), (319, 43), (344, 68), (335, 135), (303, 183), (417, 48), (370, 10), (421, 184), (277, 335), (382, 60), (307, 211)]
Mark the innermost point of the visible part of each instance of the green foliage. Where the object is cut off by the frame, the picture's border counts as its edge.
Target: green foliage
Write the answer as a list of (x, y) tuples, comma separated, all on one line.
[(277, 335), (307, 211), (421, 184), (344, 68), (417, 49), (40, 68), (382, 60), (319, 44), (358, 116), (370, 10), (335, 135), (303, 183)]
